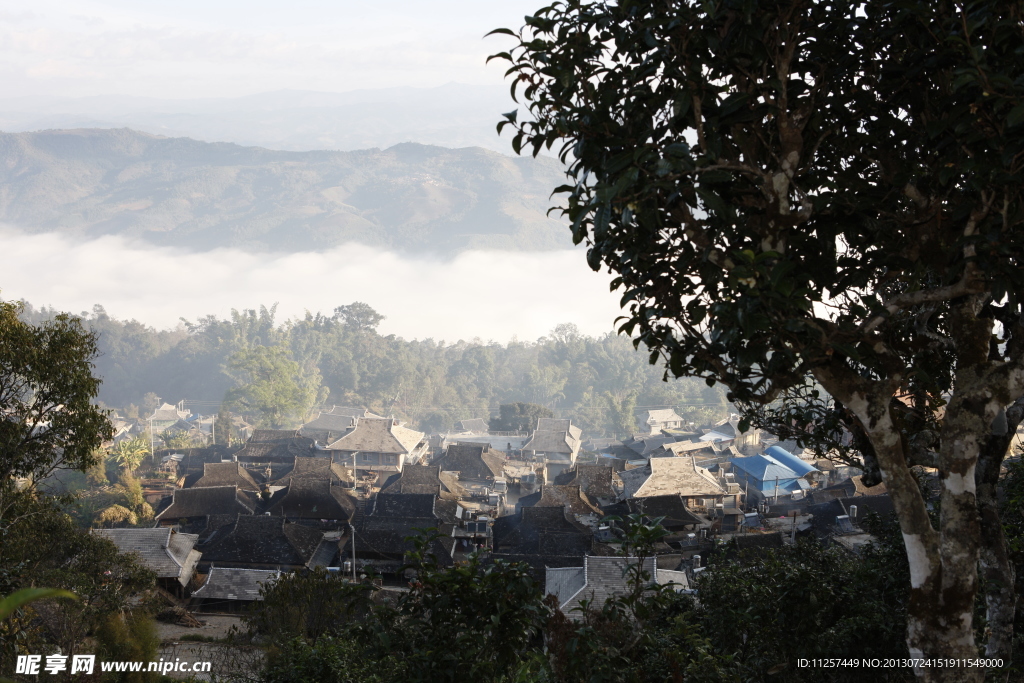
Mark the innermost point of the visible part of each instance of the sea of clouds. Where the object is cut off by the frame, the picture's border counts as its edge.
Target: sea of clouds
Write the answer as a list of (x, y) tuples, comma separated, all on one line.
[(485, 295)]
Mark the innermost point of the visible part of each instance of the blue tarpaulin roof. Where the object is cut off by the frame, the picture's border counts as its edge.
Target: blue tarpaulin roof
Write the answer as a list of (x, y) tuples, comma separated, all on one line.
[(784, 457), (764, 468)]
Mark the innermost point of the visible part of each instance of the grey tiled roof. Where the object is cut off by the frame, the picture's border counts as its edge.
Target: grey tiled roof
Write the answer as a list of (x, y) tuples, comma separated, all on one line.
[(670, 476), (275, 451), (594, 480), (227, 474), (312, 499), (554, 424), (316, 469), (663, 415), (263, 540), (541, 530), (450, 483), (166, 552), (224, 583), (404, 505), (605, 577), (271, 435), (415, 479), (552, 442), (476, 424), (648, 444), (212, 500), (472, 461), (564, 582), (378, 435), (671, 507), (569, 495)]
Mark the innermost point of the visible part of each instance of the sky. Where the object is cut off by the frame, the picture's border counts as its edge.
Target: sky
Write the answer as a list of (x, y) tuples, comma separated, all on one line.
[(189, 49), (493, 296), (230, 48)]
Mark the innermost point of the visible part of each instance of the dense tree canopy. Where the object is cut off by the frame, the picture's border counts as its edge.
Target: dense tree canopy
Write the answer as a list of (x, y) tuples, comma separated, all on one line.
[(598, 382), (799, 196), (48, 419)]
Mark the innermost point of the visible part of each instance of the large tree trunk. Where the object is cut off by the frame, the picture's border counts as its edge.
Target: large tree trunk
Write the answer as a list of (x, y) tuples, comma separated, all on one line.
[(996, 567), (943, 563)]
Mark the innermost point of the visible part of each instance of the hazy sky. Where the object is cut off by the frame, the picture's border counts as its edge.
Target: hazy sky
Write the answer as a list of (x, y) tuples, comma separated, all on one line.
[(229, 48), (491, 295), (222, 48)]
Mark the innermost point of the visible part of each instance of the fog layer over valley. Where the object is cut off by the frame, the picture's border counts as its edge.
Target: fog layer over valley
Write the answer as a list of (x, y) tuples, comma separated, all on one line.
[(486, 294), (180, 192)]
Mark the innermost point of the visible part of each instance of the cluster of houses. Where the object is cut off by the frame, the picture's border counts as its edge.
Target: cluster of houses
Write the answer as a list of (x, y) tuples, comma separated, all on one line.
[(169, 420), (346, 491)]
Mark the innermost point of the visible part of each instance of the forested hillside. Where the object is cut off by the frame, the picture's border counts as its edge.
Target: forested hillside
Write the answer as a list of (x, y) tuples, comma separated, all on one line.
[(200, 195), (341, 359)]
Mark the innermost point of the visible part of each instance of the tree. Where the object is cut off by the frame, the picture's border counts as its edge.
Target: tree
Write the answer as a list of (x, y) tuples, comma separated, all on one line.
[(48, 419), (273, 385), (131, 452), (818, 205), (224, 431), (518, 417), (358, 316)]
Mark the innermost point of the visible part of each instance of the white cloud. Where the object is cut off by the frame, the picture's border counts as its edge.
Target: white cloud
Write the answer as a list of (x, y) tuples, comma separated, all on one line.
[(490, 295), (230, 48)]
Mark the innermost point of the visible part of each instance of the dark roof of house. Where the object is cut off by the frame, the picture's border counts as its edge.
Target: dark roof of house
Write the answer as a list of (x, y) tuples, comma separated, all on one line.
[(208, 500), (224, 583), (312, 499), (419, 505), (824, 515), (387, 538), (529, 500), (472, 461), (538, 563), (315, 469), (271, 435), (542, 530), (227, 474), (194, 460), (671, 507), (166, 552), (260, 539), (415, 479), (594, 480), (854, 486), (275, 451), (647, 444), (567, 496), (450, 483)]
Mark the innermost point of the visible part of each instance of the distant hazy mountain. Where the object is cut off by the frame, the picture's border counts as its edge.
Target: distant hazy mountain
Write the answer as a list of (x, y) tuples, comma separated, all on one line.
[(452, 115), (200, 195)]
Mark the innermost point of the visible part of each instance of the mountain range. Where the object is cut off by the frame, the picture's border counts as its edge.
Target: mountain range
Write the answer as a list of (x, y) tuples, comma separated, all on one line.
[(452, 115), (203, 195)]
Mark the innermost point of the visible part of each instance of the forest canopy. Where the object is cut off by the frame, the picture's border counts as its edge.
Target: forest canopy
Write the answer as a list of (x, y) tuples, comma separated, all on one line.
[(602, 383)]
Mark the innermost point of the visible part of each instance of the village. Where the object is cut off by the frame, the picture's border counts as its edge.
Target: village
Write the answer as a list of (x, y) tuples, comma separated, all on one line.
[(348, 490)]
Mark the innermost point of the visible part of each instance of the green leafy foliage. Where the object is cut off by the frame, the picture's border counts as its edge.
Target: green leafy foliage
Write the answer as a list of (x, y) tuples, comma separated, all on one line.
[(273, 386), (518, 417), (105, 581), (47, 394), (599, 382)]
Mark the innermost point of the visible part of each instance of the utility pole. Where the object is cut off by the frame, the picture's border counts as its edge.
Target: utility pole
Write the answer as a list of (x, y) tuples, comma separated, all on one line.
[(776, 489), (352, 545)]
